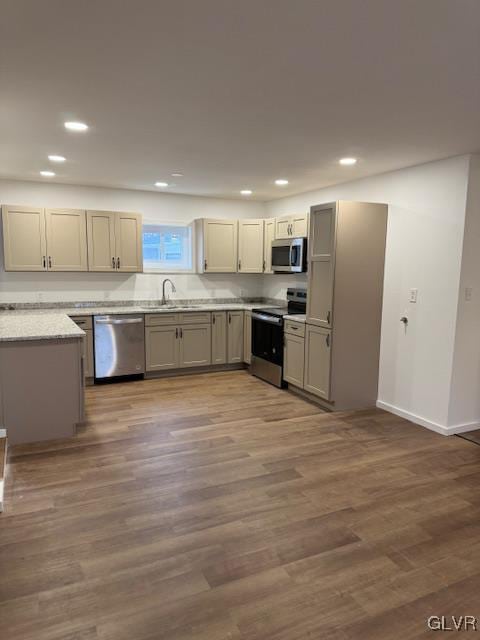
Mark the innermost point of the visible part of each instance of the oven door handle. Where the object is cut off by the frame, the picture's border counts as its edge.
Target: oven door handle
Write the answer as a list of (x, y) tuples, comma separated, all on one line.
[(265, 318)]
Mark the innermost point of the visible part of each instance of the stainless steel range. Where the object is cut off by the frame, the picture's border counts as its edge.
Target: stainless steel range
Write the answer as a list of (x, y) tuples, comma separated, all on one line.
[(267, 337)]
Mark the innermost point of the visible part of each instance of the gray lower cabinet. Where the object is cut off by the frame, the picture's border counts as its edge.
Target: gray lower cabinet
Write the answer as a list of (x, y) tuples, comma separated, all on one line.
[(175, 347), (161, 348), (247, 337), (318, 343), (235, 337), (85, 323), (294, 359), (219, 337), (195, 345)]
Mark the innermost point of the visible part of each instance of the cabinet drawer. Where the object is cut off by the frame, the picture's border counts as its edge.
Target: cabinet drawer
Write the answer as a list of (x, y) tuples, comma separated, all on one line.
[(295, 328), (160, 319), (191, 317), (84, 322)]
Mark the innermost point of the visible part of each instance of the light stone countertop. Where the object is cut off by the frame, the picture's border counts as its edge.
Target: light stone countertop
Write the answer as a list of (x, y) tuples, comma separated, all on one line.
[(17, 327), (55, 323), (296, 317)]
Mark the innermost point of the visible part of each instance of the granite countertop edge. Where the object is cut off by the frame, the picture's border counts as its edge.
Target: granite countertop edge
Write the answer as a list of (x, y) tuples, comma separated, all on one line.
[(54, 323)]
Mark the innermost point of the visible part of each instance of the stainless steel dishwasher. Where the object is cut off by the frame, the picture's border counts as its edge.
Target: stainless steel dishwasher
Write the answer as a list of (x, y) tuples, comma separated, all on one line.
[(119, 345)]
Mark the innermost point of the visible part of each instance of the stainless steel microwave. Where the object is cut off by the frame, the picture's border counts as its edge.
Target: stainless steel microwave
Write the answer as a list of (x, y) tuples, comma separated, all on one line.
[(290, 255)]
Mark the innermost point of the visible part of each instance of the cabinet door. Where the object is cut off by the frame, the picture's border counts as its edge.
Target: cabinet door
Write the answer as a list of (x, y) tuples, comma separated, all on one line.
[(88, 354), (101, 241), (219, 337), (269, 236), (247, 337), (220, 246), (317, 361), (299, 226), (195, 345), (128, 242), (235, 336), (24, 238), (66, 231), (161, 348), (250, 246), (294, 360), (321, 266), (282, 228)]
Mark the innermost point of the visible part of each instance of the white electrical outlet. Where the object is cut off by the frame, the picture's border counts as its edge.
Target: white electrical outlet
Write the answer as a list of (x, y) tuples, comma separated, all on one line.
[(413, 295), (468, 294)]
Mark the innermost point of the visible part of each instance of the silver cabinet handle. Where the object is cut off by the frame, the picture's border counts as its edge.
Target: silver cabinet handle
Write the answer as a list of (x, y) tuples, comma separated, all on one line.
[(181, 332), (113, 263), (239, 265), (49, 262), (112, 321), (229, 318), (44, 260), (327, 339), (264, 265), (328, 317), (205, 265), (213, 319), (176, 333), (118, 263)]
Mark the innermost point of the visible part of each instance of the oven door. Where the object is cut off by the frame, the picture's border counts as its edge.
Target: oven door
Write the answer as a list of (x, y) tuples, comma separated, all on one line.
[(267, 338)]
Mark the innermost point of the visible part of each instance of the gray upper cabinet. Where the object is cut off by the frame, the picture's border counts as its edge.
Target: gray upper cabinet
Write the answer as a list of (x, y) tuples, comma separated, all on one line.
[(217, 245), (66, 232), (293, 226), (38, 239), (250, 246), (114, 241), (321, 265), (24, 241)]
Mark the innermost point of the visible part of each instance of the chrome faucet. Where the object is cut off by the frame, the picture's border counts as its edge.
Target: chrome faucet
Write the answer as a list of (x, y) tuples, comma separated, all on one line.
[(164, 299)]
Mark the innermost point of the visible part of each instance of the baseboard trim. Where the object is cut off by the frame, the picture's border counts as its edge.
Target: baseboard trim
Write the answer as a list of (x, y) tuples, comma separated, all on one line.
[(428, 424), (188, 371)]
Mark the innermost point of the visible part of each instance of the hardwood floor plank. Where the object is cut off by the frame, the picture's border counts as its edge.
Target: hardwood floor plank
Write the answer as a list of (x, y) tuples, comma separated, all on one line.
[(218, 507)]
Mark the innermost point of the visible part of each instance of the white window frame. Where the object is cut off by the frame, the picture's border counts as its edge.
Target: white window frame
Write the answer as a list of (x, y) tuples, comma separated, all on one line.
[(166, 223)]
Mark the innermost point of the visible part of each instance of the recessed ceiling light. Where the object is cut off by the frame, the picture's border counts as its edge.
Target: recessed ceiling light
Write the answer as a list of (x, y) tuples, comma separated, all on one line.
[(177, 175), (246, 192), (281, 182), (56, 158), (76, 126), (348, 162), (47, 174), (161, 184)]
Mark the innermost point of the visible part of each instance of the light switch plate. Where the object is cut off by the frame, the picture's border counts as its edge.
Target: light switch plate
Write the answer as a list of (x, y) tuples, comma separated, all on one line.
[(413, 295)]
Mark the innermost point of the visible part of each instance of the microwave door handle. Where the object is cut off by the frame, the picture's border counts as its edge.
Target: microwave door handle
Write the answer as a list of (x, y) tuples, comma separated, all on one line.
[(290, 262)]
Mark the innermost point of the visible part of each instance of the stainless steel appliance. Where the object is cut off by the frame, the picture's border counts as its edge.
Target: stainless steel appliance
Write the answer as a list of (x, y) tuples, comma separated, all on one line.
[(119, 346), (267, 337), (289, 255)]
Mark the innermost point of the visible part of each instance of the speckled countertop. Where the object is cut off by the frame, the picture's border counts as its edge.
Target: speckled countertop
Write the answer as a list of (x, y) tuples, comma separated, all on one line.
[(20, 326), (51, 323)]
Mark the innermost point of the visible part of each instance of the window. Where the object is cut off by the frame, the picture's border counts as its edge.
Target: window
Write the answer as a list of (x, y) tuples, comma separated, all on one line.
[(167, 247)]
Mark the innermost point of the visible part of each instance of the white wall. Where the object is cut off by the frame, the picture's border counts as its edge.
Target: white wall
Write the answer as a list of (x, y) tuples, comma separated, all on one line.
[(34, 287), (424, 249), (464, 409)]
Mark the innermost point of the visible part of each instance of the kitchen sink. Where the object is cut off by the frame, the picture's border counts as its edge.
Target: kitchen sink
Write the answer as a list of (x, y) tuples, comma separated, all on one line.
[(170, 307)]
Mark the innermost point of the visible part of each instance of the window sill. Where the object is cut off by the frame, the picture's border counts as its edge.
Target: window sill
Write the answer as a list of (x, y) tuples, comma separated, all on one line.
[(169, 271)]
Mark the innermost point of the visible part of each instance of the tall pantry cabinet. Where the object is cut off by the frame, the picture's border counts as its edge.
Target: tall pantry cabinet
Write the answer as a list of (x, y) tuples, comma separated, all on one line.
[(344, 304)]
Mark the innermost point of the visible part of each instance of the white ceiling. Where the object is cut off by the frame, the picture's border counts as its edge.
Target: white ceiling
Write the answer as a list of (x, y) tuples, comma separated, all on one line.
[(236, 93)]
